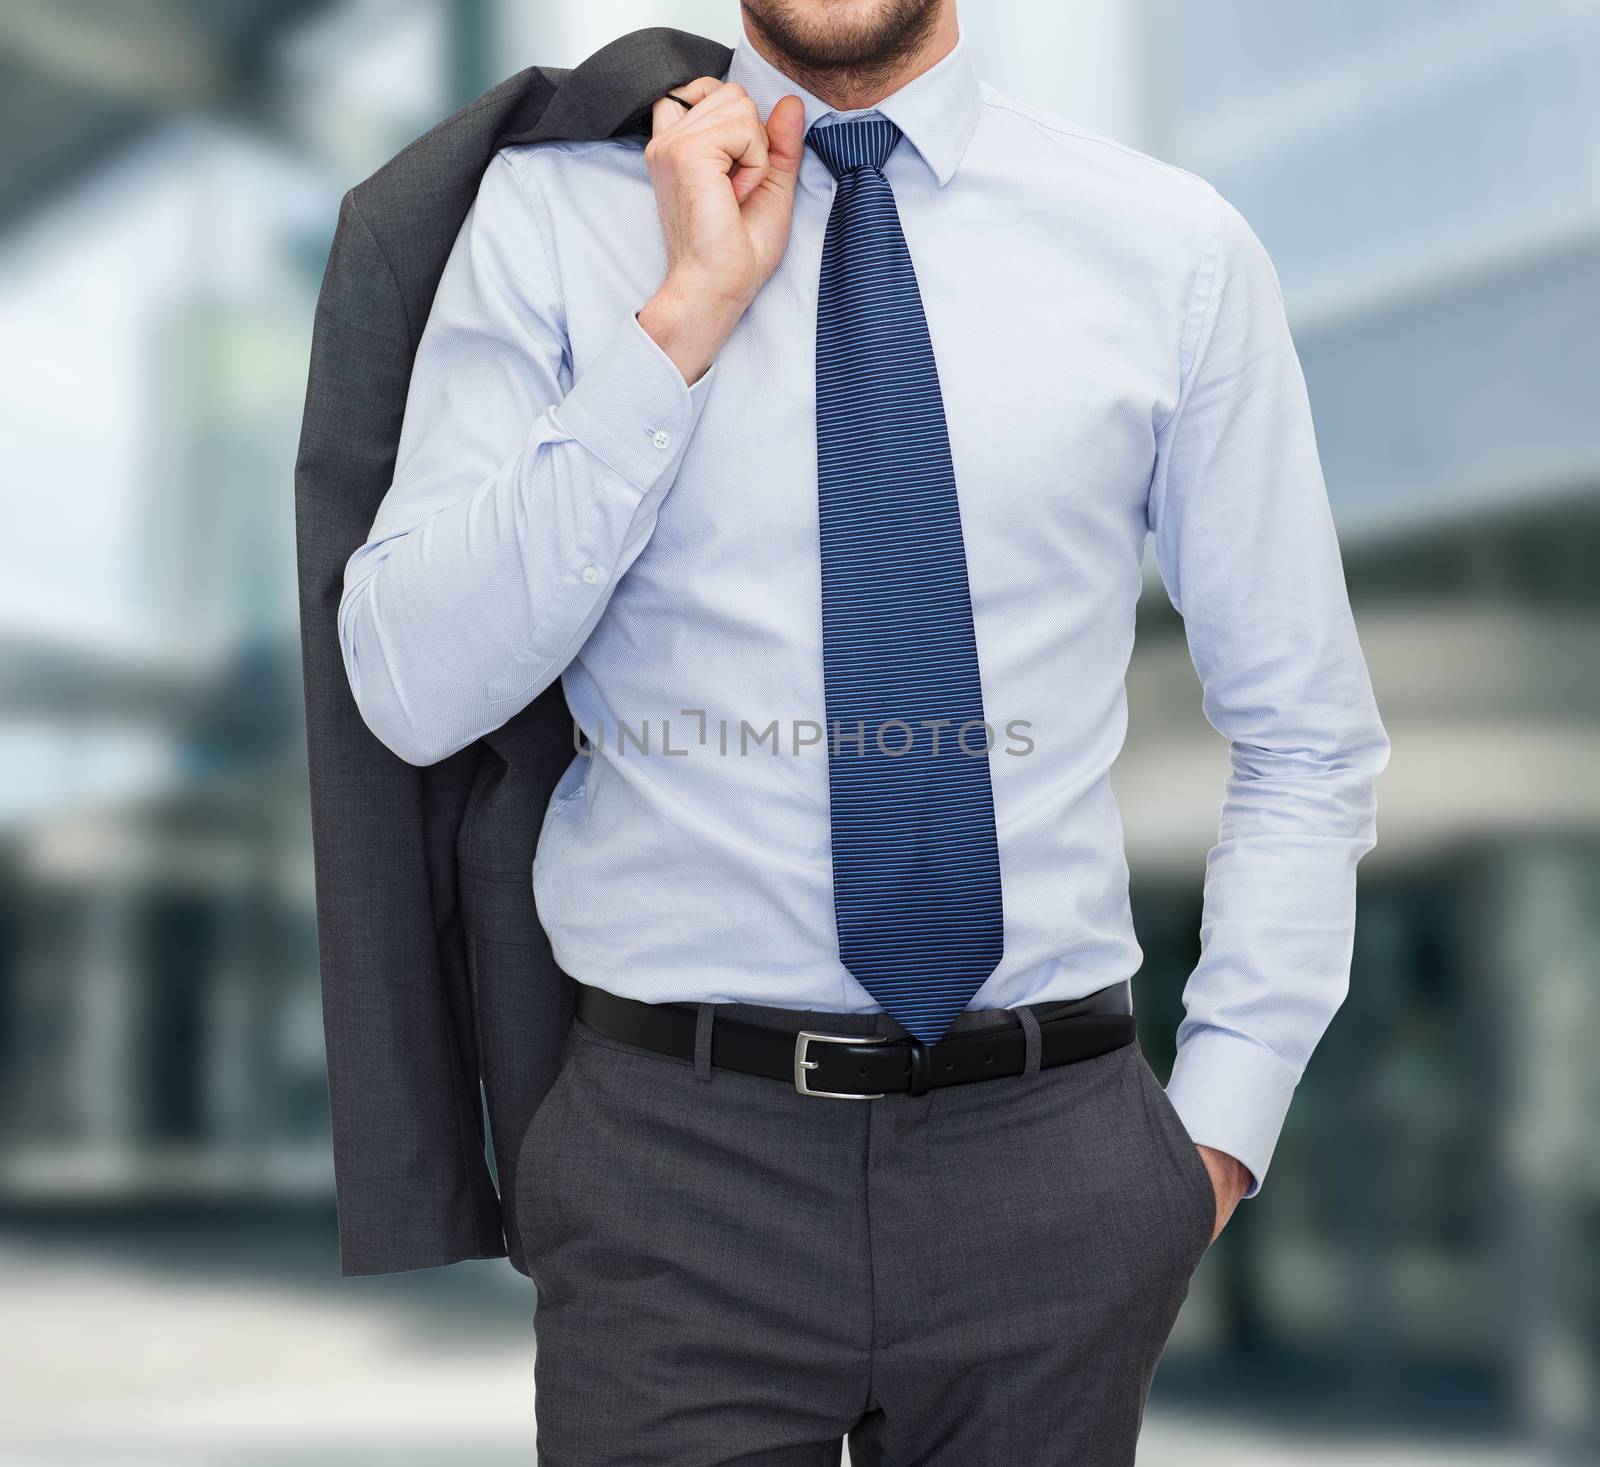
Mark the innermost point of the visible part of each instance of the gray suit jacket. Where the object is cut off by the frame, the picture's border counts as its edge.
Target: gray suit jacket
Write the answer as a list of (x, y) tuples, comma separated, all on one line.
[(440, 996)]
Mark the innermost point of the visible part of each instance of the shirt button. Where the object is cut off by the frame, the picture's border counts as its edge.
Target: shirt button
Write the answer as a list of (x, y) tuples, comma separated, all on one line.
[(661, 438), (591, 574)]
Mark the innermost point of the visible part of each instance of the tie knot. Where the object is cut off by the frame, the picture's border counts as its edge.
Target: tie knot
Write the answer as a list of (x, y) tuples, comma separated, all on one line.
[(864, 142)]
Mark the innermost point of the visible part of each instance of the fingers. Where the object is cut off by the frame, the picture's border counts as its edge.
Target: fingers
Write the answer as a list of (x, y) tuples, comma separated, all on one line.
[(723, 118), (705, 94), (664, 113)]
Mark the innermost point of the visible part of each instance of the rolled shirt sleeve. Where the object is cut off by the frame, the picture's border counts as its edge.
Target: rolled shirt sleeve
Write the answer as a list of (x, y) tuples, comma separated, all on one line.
[(519, 498), (1245, 544)]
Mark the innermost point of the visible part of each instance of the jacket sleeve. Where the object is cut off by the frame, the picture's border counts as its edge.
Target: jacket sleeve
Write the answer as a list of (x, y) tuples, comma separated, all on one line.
[(520, 495), (412, 1181)]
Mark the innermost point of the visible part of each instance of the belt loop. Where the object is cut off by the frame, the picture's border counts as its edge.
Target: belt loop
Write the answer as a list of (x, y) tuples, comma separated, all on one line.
[(705, 1016), (1032, 1047), (921, 1067)]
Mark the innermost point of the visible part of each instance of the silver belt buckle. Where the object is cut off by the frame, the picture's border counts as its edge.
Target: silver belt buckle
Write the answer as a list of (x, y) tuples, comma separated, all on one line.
[(802, 1045)]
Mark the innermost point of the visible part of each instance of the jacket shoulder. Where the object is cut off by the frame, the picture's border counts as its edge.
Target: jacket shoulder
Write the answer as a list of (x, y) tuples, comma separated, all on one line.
[(465, 140)]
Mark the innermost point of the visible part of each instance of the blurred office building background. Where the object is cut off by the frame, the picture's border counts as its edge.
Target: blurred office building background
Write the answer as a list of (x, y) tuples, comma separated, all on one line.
[(1417, 1284)]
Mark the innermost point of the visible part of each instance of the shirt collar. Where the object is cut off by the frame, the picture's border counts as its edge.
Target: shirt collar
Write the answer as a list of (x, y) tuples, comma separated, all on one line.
[(937, 111)]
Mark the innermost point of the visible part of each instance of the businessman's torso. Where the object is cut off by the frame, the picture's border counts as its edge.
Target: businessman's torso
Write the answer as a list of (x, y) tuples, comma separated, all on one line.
[(1060, 274)]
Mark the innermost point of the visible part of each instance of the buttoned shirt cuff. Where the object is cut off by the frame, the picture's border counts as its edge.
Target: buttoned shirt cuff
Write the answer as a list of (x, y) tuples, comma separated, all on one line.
[(632, 409), (1232, 1094)]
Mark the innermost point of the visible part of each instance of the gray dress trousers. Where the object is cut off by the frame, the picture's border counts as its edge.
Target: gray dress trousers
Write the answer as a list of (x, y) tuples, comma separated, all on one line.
[(729, 1272)]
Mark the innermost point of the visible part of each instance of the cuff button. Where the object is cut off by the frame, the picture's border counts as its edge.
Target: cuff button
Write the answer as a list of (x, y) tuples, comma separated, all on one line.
[(661, 438)]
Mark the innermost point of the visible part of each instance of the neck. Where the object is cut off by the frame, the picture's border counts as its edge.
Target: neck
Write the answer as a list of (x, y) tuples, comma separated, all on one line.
[(865, 79)]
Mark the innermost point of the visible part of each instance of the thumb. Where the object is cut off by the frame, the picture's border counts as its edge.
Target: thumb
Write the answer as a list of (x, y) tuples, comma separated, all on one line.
[(786, 136), (785, 143)]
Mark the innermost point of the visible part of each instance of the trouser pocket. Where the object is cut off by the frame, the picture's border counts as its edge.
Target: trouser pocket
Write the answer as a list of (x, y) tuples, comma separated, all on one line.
[(1191, 1180)]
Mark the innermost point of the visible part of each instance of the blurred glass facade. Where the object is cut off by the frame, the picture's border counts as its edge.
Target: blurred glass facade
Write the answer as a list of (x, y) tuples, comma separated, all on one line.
[(1418, 1282), (1424, 176)]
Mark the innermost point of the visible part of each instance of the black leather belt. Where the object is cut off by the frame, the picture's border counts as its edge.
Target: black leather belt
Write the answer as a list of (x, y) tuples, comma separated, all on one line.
[(859, 1066)]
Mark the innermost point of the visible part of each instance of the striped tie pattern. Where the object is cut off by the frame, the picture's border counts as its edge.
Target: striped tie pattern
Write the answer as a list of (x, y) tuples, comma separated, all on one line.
[(916, 870)]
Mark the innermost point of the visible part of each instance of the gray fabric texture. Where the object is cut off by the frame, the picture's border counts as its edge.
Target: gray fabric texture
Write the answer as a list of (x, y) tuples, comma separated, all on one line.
[(439, 990), (729, 1272)]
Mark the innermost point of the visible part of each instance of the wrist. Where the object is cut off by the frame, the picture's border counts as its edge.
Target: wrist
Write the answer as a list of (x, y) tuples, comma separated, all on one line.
[(1233, 1172), (689, 322)]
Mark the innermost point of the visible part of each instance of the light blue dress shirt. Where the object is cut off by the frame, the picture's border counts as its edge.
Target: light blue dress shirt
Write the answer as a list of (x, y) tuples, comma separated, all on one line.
[(1115, 363)]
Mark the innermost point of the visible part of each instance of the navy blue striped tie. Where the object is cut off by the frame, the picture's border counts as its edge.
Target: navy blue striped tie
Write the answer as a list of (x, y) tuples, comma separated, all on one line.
[(916, 871)]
